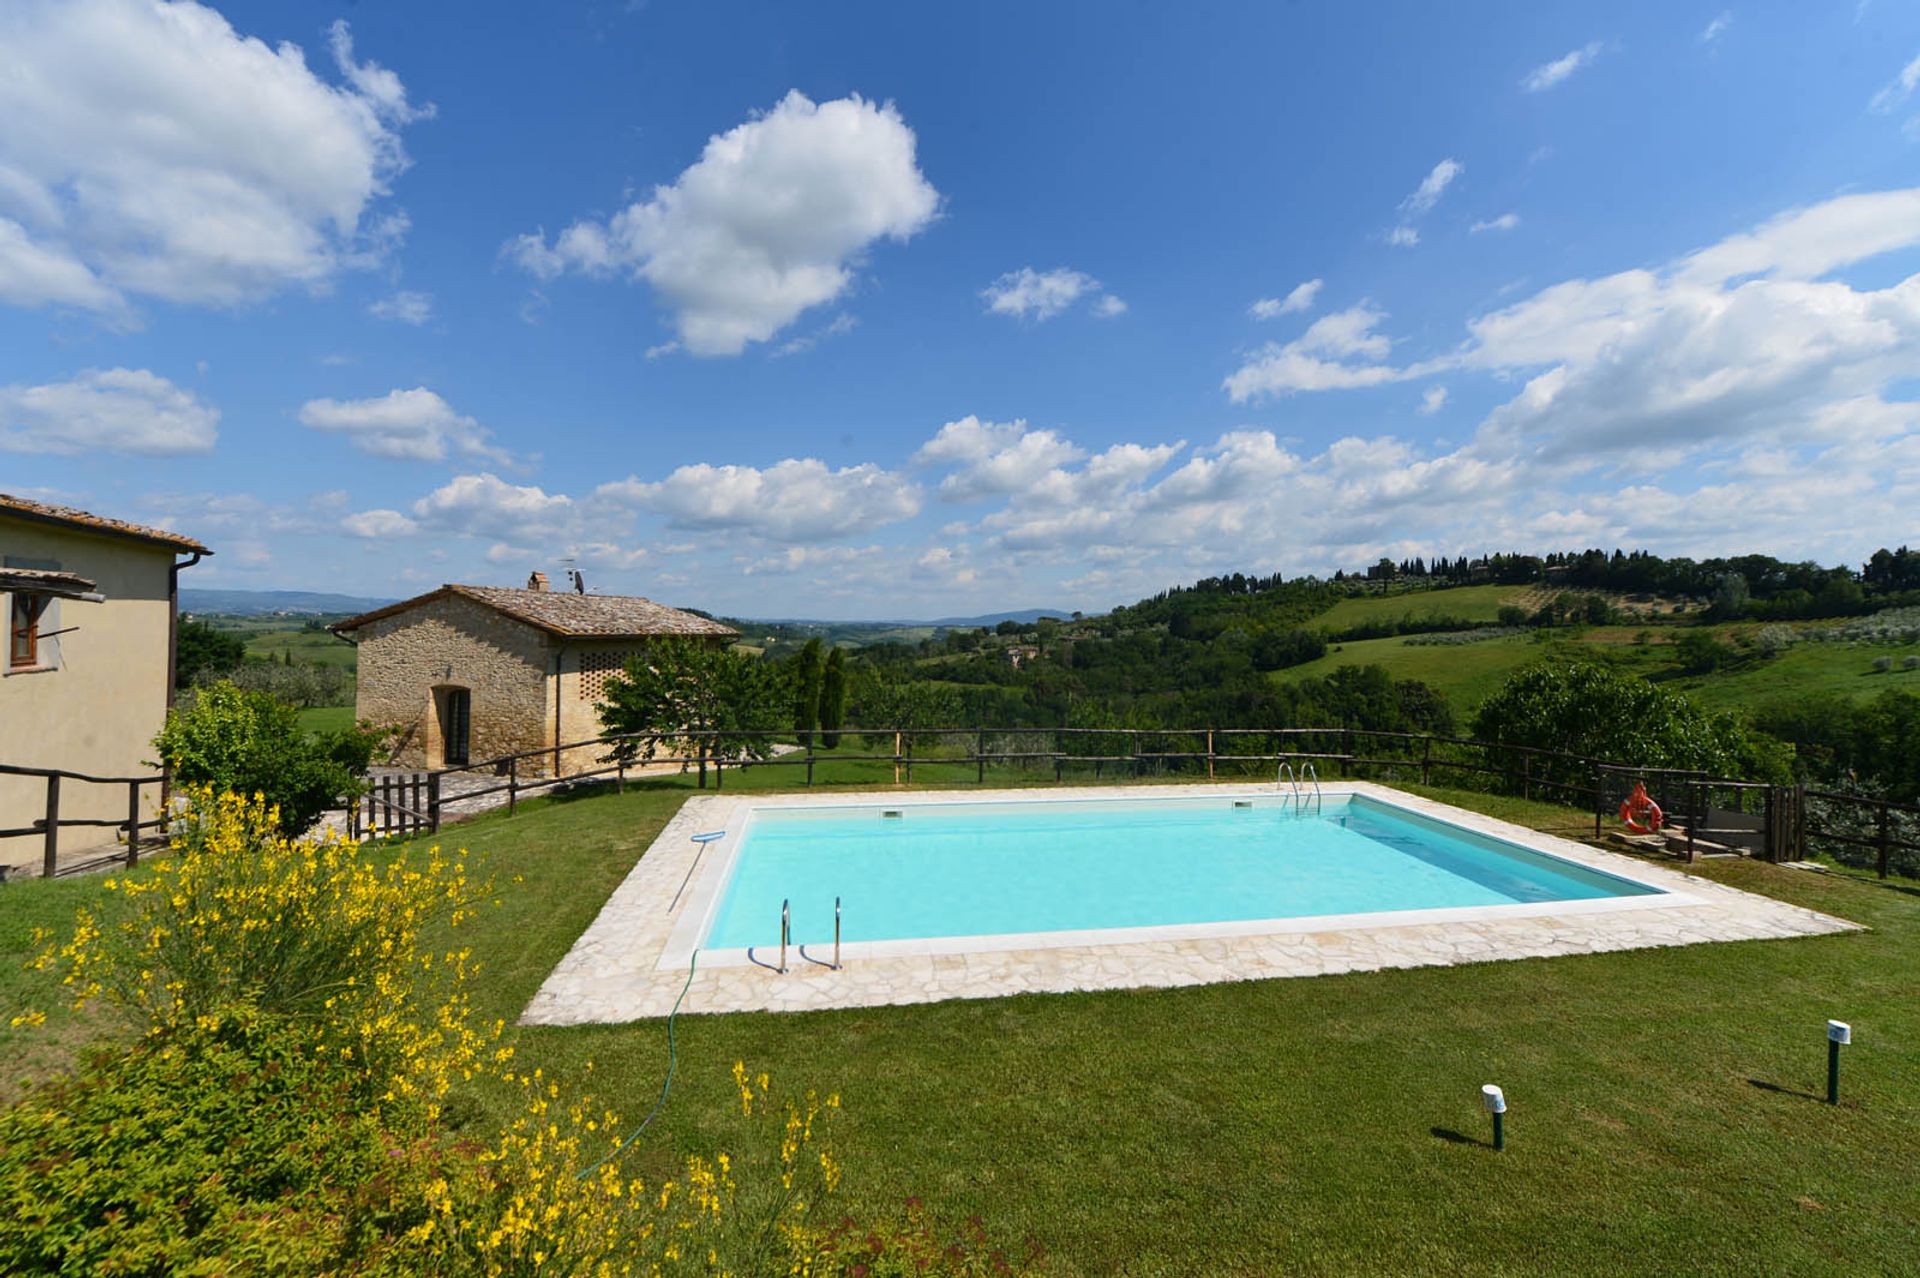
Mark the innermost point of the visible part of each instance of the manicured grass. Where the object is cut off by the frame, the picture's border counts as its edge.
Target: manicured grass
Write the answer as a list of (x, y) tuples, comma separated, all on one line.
[(1474, 603), (326, 718), (1663, 1118)]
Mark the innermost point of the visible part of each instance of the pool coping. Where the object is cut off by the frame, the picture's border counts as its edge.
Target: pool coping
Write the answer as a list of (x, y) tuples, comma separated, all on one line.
[(636, 957)]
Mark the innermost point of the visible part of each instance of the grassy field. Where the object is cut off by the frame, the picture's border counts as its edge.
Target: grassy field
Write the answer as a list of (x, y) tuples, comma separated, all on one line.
[(1472, 603), (1664, 1114), (1466, 673), (309, 647)]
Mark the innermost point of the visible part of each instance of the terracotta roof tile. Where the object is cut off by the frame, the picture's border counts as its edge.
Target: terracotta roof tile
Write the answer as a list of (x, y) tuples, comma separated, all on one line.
[(565, 613), (97, 523)]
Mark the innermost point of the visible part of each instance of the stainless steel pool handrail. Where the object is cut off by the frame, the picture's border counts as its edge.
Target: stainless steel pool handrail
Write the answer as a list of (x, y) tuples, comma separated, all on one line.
[(1293, 782), (1313, 774), (835, 965)]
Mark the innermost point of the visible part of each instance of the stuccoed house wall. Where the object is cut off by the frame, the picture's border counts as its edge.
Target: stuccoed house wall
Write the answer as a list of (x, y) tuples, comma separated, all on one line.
[(408, 659), (98, 696)]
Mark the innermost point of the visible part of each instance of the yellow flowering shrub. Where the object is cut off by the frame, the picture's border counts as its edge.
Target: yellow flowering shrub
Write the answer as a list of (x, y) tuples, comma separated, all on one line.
[(281, 1110), (242, 916)]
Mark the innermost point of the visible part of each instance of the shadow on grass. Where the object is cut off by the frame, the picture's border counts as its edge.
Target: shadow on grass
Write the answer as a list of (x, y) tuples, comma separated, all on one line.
[(1765, 1086), (1459, 1138)]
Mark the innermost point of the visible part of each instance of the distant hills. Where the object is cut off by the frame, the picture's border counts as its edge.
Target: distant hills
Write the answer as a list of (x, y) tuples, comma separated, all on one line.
[(254, 603)]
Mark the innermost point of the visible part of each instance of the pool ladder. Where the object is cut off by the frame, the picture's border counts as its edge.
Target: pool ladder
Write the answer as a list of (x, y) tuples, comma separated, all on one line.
[(786, 938), (1297, 781)]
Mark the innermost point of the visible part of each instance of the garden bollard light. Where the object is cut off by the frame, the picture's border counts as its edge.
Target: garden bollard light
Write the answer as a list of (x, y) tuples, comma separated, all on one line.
[(1839, 1034), (1495, 1103)]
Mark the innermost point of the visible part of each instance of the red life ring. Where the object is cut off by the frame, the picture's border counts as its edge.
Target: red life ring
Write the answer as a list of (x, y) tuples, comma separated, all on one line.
[(1640, 813)]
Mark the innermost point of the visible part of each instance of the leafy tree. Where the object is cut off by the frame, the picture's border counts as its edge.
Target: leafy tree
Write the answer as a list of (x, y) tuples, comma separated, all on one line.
[(883, 702), (199, 647), (833, 698), (679, 687), (252, 743), (1278, 649), (806, 678), (1730, 595), (1590, 710), (1701, 653), (1876, 742)]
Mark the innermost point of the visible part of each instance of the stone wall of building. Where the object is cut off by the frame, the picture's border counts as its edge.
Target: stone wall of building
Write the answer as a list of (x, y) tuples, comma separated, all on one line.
[(409, 660)]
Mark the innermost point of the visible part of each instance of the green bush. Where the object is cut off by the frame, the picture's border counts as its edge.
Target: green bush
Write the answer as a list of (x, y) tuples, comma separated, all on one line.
[(235, 1149), (1589, 710), (687, 694), (248, 743)]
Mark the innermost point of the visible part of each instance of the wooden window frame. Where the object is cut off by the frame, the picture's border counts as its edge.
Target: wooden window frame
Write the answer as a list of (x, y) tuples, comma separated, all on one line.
[(36, 608)]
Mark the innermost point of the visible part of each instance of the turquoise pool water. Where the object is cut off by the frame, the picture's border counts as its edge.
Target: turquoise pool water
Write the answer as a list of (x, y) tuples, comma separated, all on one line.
[(977, 869)]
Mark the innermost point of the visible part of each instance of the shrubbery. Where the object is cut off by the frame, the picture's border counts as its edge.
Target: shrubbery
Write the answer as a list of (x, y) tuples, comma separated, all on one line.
[(278, 1109), (252, 743), (1590, 710)]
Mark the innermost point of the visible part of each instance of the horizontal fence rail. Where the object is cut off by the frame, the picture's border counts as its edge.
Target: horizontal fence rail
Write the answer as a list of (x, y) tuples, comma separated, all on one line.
[(1702, 812), (59, 782), (1709, 813)]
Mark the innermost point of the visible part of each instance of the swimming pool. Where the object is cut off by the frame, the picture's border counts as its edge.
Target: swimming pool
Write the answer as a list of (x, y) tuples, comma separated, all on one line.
[(951, 876)]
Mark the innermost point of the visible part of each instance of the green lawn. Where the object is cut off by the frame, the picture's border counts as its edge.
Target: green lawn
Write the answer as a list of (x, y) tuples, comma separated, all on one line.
[(326, 718), (1663, 1117), (1474, 603)]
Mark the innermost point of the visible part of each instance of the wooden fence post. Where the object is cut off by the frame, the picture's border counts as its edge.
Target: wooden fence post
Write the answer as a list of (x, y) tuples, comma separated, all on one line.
[(133, 824), (513, 784), (433, 802), (52, 855), (1209, 754), (1426, 761), (809, 759), (980, 753), (896, 756), (1885, 837), (1599, 798)]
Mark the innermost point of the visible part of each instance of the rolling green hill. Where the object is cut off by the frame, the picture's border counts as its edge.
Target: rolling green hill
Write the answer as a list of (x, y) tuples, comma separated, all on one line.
[(1466, 673), (1469, 603)]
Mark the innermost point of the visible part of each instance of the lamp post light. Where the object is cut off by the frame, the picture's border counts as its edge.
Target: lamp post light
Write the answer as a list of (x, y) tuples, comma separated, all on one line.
[(1494, 1101), (1839, 1034)]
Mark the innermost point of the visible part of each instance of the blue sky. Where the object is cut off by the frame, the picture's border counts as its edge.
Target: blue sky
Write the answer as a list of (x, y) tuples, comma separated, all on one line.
[(881, 310)]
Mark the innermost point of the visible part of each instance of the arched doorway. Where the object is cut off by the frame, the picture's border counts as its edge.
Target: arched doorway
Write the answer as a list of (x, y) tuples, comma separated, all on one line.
[(453, 714)]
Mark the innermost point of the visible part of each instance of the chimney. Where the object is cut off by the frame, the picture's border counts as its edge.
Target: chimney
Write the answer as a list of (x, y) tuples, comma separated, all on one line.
[(538, 581)]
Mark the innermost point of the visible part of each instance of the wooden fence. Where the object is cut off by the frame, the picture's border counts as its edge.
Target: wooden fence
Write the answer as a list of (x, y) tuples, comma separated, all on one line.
[(1708, 813), (51, 821), (1768, 821)]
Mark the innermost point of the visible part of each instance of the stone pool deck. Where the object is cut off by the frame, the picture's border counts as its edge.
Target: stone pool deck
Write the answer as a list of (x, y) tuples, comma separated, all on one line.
[(615, 971)]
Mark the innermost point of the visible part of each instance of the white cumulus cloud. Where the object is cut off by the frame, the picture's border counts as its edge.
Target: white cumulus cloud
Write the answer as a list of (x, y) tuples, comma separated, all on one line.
[(799, 499), (770, 221), (114, 410), (412, 425), (1505, 222), (150, 149), (1432, 187)]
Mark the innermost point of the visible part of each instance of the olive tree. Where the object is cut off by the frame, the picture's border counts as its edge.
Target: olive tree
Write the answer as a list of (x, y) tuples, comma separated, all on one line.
[(683, 692)]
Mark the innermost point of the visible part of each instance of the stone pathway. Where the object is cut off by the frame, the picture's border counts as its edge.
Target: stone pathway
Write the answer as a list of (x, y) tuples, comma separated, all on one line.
[(615, 971)]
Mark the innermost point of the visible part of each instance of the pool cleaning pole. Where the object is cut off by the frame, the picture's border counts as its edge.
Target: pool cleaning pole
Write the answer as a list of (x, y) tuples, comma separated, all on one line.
[(1839, 1034), (1495, 1102)]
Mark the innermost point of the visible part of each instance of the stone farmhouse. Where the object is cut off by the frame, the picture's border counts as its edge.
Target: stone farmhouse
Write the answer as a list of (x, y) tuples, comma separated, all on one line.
[(91, 605), (470, 673)]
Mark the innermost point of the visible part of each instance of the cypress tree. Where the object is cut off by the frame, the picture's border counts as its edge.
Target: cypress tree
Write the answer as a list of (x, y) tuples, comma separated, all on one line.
[(833, 699), (806, 691)]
